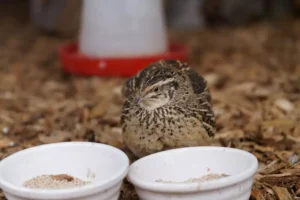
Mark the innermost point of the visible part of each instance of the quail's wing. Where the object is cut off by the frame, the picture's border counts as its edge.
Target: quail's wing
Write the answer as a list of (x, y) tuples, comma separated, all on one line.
[(129, 87), (128, 90), (202, 105)]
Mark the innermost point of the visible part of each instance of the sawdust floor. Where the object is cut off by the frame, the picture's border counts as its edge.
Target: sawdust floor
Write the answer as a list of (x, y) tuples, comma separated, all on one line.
[(253, 74)]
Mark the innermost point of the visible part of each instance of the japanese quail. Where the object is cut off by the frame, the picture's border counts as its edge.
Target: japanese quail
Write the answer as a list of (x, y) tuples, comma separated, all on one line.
[(167, 105)]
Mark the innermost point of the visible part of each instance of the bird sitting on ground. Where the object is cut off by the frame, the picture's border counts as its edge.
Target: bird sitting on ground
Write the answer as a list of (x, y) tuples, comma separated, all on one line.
[(167, 105)]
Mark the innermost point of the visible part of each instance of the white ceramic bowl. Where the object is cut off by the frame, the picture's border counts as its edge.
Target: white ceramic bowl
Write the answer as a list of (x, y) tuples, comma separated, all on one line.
[(105, 166), (179, 165)]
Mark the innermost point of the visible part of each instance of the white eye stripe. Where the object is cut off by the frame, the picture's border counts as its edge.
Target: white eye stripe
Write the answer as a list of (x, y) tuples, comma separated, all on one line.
[(158, 84), (163, 82)]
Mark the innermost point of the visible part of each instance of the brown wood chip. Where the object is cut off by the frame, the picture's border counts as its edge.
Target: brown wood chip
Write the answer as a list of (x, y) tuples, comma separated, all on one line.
[(282, 193)]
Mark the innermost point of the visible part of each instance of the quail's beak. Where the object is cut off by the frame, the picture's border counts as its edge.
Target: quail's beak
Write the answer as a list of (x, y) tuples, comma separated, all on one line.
[(138, 100)]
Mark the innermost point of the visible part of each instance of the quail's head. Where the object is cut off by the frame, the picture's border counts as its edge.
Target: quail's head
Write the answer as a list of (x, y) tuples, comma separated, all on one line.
[(158, 85)]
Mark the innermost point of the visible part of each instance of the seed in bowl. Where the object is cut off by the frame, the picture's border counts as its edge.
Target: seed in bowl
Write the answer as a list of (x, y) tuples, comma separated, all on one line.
[(207, 177), (58, 181)]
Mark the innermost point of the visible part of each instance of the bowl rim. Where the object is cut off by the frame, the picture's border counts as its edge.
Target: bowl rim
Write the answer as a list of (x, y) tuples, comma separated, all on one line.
[(67, 193), (194, 186)]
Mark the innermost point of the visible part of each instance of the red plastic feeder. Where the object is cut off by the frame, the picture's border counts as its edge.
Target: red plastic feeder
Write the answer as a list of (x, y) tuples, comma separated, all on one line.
[(74, 62)]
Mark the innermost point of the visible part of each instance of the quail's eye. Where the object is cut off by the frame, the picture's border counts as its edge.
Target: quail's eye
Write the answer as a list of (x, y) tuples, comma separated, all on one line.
[(155, 89)]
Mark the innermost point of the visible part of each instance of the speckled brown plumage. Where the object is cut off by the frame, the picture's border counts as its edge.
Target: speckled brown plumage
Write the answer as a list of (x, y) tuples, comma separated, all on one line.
[(167, 105)]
